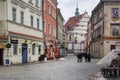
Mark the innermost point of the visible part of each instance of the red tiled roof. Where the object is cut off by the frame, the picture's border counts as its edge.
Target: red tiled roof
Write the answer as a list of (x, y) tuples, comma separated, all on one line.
[(72, 21)]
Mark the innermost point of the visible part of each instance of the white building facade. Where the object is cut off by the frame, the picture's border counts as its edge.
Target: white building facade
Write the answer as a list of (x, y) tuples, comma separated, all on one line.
[(76, 28), (80, 31), (21, 23)]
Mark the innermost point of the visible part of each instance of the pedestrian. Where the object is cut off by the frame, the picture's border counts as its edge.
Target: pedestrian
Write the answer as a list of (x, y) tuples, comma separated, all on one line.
[(86, 57), (89, 57), (79, 57)]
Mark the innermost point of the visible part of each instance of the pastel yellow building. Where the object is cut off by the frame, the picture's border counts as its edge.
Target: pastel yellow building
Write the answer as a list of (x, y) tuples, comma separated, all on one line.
[(105, 25)]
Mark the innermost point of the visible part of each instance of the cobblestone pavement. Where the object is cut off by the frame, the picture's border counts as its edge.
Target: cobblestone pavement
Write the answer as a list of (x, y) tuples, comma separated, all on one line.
[(67, 69)]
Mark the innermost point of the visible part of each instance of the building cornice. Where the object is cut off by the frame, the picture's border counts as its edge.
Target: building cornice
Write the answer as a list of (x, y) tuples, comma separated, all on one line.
[(102, 3), (24, 36), (4, 37), (111, 37)]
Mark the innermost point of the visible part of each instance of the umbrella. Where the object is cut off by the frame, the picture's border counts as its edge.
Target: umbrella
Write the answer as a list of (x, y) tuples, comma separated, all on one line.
[(106, 60)]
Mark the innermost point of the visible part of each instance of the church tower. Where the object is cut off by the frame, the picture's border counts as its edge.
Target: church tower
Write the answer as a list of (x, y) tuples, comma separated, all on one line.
[(77, 11)]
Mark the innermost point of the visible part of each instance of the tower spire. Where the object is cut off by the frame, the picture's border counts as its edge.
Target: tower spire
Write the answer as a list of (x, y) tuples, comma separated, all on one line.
[(77, 10)]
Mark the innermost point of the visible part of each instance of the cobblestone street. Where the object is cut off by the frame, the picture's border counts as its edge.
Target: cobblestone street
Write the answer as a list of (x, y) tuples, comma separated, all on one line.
[(67, 69)]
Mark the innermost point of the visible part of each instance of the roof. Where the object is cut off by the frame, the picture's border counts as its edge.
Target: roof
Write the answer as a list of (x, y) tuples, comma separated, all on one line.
[(72, 21)]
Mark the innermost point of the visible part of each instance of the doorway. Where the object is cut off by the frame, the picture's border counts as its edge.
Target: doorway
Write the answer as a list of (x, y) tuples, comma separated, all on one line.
[(112, 47), (1, 56), (24, 53)]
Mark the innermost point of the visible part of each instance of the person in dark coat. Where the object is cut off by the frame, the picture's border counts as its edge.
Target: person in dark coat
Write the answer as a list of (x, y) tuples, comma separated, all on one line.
[(79, 57), (86, 57), (89, 57)]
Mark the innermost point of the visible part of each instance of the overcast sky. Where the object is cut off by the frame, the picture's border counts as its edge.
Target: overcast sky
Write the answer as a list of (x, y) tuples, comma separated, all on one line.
[(68, 7)]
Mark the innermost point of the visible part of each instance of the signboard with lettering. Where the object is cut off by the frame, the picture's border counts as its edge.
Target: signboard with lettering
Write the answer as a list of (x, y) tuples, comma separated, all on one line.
[(14, 41)]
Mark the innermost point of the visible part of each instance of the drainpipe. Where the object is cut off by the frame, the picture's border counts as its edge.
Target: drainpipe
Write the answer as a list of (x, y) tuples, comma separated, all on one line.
[(7, 60), (56, 22), (43, 2)]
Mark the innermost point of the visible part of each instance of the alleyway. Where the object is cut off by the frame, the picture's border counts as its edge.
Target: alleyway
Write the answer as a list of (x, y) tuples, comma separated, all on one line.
[(67, 69)]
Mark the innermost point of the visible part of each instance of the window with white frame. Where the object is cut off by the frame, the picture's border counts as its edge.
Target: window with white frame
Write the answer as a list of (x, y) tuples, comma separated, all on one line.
[(37, 3), (115, 12), (14, 13), (49, 29), (31, 20), (53, 14), (115, 30), (30, 1), (44, 5), (15, 47), (22, 17), (48, 9), (33, 49), (54, 31), (38, 23)]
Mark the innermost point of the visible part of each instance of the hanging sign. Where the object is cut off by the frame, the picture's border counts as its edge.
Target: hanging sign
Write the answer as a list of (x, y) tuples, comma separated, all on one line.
[(8, 45), (14, 41)]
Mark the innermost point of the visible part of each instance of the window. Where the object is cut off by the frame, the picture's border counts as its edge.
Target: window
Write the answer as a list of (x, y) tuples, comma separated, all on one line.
[(53, 14), (31, 21), (43, 5), (68, 27), (49, 29), (70, 38), (39, 49), (14, 14), (15, 46), (38, 23), (33, 49), (115, 12), (54, 31), (115, 30), (37, 1), (30, 1), (22, 17), (76, 39), (44, 25), (48, 9), (112, 47)]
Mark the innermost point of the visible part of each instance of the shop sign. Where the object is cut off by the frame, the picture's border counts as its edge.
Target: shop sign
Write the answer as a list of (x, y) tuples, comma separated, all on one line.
[(2, 46), (8, 45), (14, 41)]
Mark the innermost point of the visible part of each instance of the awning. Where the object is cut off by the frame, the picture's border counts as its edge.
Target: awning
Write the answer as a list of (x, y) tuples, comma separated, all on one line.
[(2, 46)]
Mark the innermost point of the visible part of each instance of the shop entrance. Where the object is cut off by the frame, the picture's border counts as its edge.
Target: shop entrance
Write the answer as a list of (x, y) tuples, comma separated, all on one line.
[(1, 56), (24, 53)]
